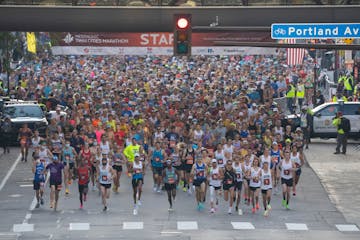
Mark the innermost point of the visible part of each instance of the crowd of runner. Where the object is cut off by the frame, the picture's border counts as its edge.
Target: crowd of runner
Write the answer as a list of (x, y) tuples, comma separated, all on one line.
[(207, 126)]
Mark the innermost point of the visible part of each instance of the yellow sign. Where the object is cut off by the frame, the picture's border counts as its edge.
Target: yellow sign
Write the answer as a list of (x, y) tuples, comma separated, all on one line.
[(31, 42), (348, 40)]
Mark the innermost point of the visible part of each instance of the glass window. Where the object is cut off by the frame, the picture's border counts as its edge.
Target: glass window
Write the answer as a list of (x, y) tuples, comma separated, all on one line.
[(23, 111), (329, 110), (351, 109)]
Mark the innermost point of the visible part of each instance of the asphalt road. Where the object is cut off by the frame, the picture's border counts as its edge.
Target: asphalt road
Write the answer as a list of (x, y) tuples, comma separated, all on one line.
[(313, 215)]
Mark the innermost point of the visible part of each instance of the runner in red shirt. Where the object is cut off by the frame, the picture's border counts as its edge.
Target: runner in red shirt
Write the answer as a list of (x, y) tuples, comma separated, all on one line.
[(83, 173)]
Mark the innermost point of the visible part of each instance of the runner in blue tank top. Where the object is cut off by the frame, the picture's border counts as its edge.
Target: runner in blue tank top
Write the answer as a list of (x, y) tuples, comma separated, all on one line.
[(198, 173), (38, 169)]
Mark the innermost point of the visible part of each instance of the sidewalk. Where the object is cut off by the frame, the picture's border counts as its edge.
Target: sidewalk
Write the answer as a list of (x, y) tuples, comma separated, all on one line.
[(339, 175)]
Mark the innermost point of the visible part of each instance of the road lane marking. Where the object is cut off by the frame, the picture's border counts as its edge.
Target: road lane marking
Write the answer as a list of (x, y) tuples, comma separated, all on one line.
[(242, 225), (79, 226), (133, 225), (296, 226), (347, 228), (11, 170), (25, 227), (26, 185), (189, 225), (170, 232)]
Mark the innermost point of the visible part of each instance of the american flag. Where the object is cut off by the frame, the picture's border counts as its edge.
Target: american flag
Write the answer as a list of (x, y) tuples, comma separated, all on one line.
[(295, 56)]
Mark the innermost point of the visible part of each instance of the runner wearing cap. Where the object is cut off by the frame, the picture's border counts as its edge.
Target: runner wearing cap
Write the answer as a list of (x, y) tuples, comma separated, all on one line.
[(170, 178), (276, 155), (229, 184), (157, 165), (287, 169), (198, 174), (106, 174), (215, 182)]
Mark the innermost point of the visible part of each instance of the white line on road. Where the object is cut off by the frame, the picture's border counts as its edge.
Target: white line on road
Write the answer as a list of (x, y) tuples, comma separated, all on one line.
[(190, 225), (79, 226), (133, 225), (11, 170), (242, 225), (26, 185), (296, 226), (347, 228), (169, 232), (23, 227)]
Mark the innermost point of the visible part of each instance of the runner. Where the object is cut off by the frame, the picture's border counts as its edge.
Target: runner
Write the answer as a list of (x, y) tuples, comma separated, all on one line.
[(44, 154), (118, 161), (298, 159), (255, 184), (287, 168), (68, 156), (130, 152), (56, 171), (276, 154), (25, 135), (158, 156), (266, 186), (229, 184), (83, 183), (105, 173), (239, 170), (138, 172), (189, 159), (247, 176), (170, 178), (39, 170), (198, 173), (215, 176)]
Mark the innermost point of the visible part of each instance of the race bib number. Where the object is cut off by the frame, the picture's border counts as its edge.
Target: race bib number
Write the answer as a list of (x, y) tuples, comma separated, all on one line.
[(190, 160), (274, 159), (220, 161), (238, 176), (297, 165), (229, 181), (200, 174), (104, 178), (83, 177), (287, 172), (137, 171), (157, 159), (255, 180), (215, 177), (266, 181), (171, 180)]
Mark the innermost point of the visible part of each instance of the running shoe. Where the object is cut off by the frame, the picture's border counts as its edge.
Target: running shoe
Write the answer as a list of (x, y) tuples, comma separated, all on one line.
[(212, 210), (42, 201), (184, 189), (37, 205), (283, 203), (268, 207), (294, 193), (51, 205), (236, 208), (240, 212), (66, 191), (198, 207), (105, 208), (189, 191), (230, 210), (139, 203), (135, 212), (114, 188), (158, 190), (81, 206), (287, 207), (253, 210), (94, 188), (257, 206), (266, 213), (170, 209), (201, 206)]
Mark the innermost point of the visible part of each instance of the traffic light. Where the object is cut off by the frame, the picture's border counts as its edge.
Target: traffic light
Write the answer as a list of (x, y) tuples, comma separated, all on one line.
[(182, 34)]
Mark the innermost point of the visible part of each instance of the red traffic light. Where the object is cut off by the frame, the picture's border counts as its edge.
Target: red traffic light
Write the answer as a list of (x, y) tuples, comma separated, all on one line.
[(182, 23)]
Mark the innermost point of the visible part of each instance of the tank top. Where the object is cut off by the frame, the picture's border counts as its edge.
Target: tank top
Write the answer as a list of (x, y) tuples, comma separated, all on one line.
[(117, 159), (265, 159), (39, 169), (296, 159), (219, 156), (105, 148), (35, 142), (43, 155), (137, 170), (279, 131), (157, 158), (86, 156), (229, 177), (247, 168), (255, 182), (215, 180), (175, 159), (275, 156), (266, 181), (189, 157), (158, 136), (200, 173), (83, 173), (286, 169), (198, 135), (228, 150), (170, 176), (238, 172), (104, 175)]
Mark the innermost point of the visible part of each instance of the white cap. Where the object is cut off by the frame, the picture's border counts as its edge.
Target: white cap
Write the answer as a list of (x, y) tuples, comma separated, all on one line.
[(213, 161), (137, 155)]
